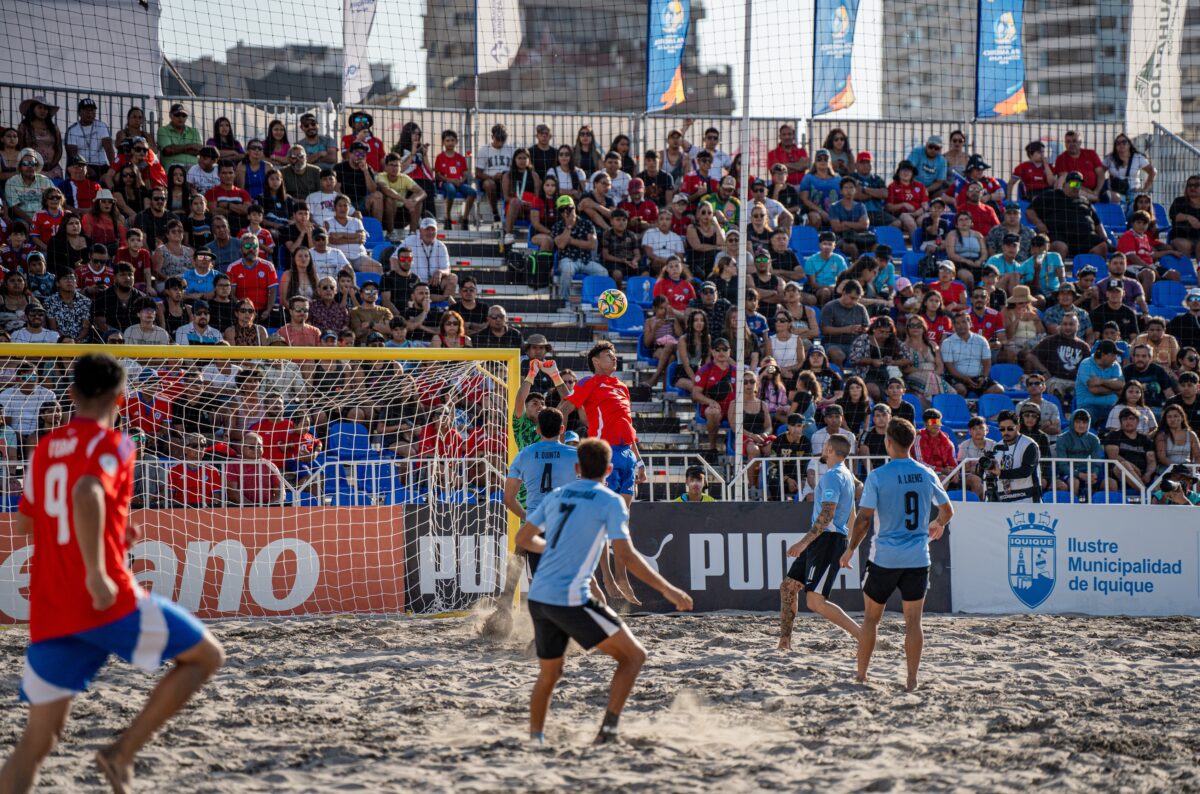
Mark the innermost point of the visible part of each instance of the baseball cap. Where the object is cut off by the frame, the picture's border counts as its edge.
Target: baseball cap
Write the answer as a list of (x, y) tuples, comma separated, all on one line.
[(359, 146), (636, 186), (564, 201), (1012, 206), (1106, 347), (178, 108), (728, 181), (374, 336), (570, 436), (946, 264), (903, 283), (708, 285), (864, 157), (329, 335), (680, 198), (1181, 470), (821, 153), (1115, 286), (757, 183), (86, 103), (200, 306), (34, 308), (1192, 295), (428, 223), (795, 419), (1086, 270), (77, 160), (319, 234), (1011, 239), (1073, 176), (720, 344), (934, 140), (1028, 406), (976, 162)]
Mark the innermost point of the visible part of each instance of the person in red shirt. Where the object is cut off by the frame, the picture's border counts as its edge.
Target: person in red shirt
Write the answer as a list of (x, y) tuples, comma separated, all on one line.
[(1140, 250), (983, 217), (700, 182), (47, 220), (277, 433), (954, 294), (227, 200), (985, 321), (1086, 161), (253, 480), (191, 483), (454, 179), (1035, 174), (643, 213), (933, 447), (143, 159), (676, 285), (788, 154), (713, 389), (360, 130), (84, 601), (135, 253), (79, 191), (907, 198), (680, 218), (254, 279), (993, 191)]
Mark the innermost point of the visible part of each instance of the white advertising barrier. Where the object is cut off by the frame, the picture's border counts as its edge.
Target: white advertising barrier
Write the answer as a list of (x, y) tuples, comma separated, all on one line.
[(1060, 558)]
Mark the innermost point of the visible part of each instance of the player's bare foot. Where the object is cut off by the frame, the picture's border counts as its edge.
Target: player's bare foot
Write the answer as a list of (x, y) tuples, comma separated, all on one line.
[(911, 685), (861, 679), (784, 644), (627, 594), (117, 772)]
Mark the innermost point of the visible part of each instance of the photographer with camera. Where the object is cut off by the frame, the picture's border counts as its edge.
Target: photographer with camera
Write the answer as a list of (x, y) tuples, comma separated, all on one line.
[(1177, 487), (1011, 472)]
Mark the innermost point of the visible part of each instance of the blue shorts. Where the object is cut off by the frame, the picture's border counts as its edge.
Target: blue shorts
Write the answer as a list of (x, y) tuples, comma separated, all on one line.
[(451, 192), (155, 632), (624, 465)]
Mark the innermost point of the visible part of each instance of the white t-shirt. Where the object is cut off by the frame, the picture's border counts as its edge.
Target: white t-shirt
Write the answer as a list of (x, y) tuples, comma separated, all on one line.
[(203, 180), (90, 141), (493, 161), (353, 251), (1136, 175), (720, 160), (620, 185), (44, 336), (134, 335), (663, 244), (320, 206), (221, 380), (22, 409), (428, 259), (330, 263), (564, 179), (774, 209)]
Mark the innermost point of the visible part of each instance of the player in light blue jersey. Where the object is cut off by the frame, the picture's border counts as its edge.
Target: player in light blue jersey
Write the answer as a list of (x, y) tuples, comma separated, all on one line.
[(903, 492), (541, 467), (818, 553), (570, 529)]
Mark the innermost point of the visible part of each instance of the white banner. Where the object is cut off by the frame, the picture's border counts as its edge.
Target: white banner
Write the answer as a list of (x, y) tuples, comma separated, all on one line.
[(1061, 558), (1155, 38), (498, 34), (357, 18)]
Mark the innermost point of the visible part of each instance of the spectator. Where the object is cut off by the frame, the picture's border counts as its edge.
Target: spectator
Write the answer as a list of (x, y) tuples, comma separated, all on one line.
[(34, 330), (967, 360), (575, 238), (90, 139), (833, 416), (820, 190), (1176, 442), (788, 195), (841, 155), (23, 192), (10, 152), (300, 177), (792, 157), (808, 394), (368, 317), (492, 162), (973, 173), (192, 483), (347, 234), (68, 310), (178, 142), (203, 176), (172, 258), (848, 219), (983, 216), (1010, 223), (933, 447), (931, 165), (1085, 163), (173, 313), (660, 336), (696, 484), (822, 268), (251, 480), (79, 190), (726, 206), (704, 239), (1184, 214), (1058, 357), (1186, 327), (1046, 265), (1135, 296), (1187, 399), (956, 156), (1178, 487), (147, 331), (619, 248), (907, 198), (893, 398), (356, 178), (967, 249), (254, 279), (842, 321), (658, 185), (721, 161), (587, 154), (598, 204), (1098, 381), (224, 141), (954, 294), (871, 442), (856, 405), (1156, 382), (1115, 310), (923, 374), (361, 124), (1034, 175), (1023, 328), (1131, 450), (974, 447), (713, 390), (792, 444), (180, 192), (37, 130), (985, 321), (431, 259), (245, 331), (659, 243), (421, 315), (297, 332), (1079, 443), (1067, 218), (118, 307), (1112, 332), (199, 331), (1029, 420), (318, 149), (693, 349), (69, 249), (937, 320), (566, 172), (327, 261), (103, 222), (138, 154), (22, 402), (47, 220)]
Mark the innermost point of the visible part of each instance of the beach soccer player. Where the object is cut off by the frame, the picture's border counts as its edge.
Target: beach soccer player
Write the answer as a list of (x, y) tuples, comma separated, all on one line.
[(569, 529), (84, 602), (903, 493), (540, 468), (818, 554), (604, 399)]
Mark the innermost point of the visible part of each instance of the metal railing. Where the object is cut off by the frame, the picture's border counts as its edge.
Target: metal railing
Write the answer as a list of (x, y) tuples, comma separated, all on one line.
[(666, 475), (1175, 159)]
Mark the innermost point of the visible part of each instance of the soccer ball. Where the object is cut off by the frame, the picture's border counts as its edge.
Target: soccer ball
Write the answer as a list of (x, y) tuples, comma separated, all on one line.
[(612, 304)]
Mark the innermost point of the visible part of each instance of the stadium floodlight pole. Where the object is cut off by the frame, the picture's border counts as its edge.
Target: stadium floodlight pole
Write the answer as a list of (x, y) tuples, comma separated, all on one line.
[(736, 421)]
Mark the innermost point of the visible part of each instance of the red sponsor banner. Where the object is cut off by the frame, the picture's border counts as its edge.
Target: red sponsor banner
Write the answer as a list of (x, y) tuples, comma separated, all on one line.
[(252, 562)]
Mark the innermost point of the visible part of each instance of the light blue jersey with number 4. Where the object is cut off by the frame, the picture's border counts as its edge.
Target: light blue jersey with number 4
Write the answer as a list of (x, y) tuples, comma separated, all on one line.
[(542, 467), (902, 493), (577, 519)]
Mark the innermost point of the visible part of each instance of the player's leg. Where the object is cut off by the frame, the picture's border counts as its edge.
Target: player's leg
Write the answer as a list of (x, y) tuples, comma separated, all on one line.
[(914, 640), (42, 732), (620, 575), (789, 599), (630, 656), (833, 613), (872, 614), (549, 672)]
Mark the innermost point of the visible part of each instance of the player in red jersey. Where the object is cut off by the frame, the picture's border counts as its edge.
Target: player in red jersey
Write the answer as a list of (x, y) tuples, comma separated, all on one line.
[(604, 400), (84, 602)]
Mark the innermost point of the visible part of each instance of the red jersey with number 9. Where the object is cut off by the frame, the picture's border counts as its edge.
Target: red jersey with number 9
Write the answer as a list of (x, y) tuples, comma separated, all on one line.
[(59, 601), (604, 400)]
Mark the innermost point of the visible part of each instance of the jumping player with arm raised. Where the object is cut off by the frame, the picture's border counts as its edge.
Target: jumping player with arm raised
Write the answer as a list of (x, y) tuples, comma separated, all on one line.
[(604, 399), (818, 554), (569, 529), (84, 602), (903, 493)]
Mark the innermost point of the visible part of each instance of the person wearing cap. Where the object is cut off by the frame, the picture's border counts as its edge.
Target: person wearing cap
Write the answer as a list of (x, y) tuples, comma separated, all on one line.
[(492, 162), (575, 238), (1066, 216), (199, 331), (1013, 270), (819, 190), (1186, 326), (318, 149), (38, 130), (90, 140), (702, 181), (1116, 310), (993, 191), (327, 261), (779, 189), (969, 451), (792, 156), (23, 192), (191, 482), (619, 250), (1064, 300), (1010, 223), (1098, 381), (696, 486), (931, 165), (1132, 452), (1086, 163), (34, 330), (147, 331), (1035, 174), (361, 124), (369, 316), (1057, 357), (725, 204), (1177, 486), (1134, 294), (356, 178), (643, 213), (431, 260), (954, 294), (721, 162), (1017, 469), (79, 190), (543, 155), (872, 191), (178, 142), (1029, 424), (968, 359)]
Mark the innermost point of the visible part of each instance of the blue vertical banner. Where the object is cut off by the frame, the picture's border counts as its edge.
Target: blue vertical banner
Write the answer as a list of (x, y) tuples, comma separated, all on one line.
[(1000, 60), (667, 32), (833, 50)]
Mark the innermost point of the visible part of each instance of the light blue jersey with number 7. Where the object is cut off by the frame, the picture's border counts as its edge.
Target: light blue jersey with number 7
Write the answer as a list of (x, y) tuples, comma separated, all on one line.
[(902, 493), (577, 519)]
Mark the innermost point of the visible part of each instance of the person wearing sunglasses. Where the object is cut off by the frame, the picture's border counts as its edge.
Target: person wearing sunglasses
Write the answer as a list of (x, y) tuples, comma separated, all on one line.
[(179, 142), (361, 123), (930, 163), (1065, 215), (1184, 213), (23, 192), (721, 161)]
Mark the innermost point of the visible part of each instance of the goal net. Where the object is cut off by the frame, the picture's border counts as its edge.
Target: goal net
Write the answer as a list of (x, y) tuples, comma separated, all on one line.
[(304, 481)]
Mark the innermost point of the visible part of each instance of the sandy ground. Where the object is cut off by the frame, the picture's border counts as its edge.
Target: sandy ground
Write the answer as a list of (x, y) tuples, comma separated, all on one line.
[(1008, 704)]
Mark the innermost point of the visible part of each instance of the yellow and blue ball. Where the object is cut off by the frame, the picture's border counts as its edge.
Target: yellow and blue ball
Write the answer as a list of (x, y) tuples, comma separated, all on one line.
[(612, 304)]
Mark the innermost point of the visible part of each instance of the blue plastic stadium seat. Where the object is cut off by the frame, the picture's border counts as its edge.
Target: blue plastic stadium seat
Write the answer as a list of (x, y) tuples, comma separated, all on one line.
[(381, 255), (1062, 416), (915, 402), (672, 368), (962, 496), (1057, 497), (909, 262), (643, 353), (1161, 220), (629, 325), (955, 413), (1181, 265), (374, 230), (594, 286), (804, 241), (363, 278), (890, 236), (640, 291), (1111, 215), (992, 404), (1168, 293), (918, 237), (1009, 376), (1095, 260)]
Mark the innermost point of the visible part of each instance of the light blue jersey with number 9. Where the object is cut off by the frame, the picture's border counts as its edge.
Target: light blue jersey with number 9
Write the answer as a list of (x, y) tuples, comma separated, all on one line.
[(577, 519), (902, 493), (542, 467)]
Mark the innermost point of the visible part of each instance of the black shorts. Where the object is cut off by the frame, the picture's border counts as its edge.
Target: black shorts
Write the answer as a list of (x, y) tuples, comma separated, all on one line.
[(1080, 243), (818, 566), (589, 625), (987, 384), (879, 583)]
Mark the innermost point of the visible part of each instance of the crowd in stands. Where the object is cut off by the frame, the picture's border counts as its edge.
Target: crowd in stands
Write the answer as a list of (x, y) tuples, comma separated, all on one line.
[(874, 288)]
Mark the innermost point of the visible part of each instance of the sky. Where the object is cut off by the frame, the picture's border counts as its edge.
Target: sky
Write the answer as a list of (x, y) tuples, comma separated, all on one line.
[(780, 73)]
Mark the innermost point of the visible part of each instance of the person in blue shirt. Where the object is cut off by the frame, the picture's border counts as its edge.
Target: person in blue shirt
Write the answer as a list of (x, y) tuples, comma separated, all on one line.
[(931, 165), (542, 467), (903, 493), (818, 553), (569, 528), (822, 268)]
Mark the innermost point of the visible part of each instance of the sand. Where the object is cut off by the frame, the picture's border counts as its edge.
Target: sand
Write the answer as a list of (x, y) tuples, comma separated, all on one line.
[(1008, 704)]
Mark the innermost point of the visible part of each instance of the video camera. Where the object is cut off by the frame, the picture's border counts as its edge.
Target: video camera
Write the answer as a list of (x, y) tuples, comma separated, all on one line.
[(991, 483)]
